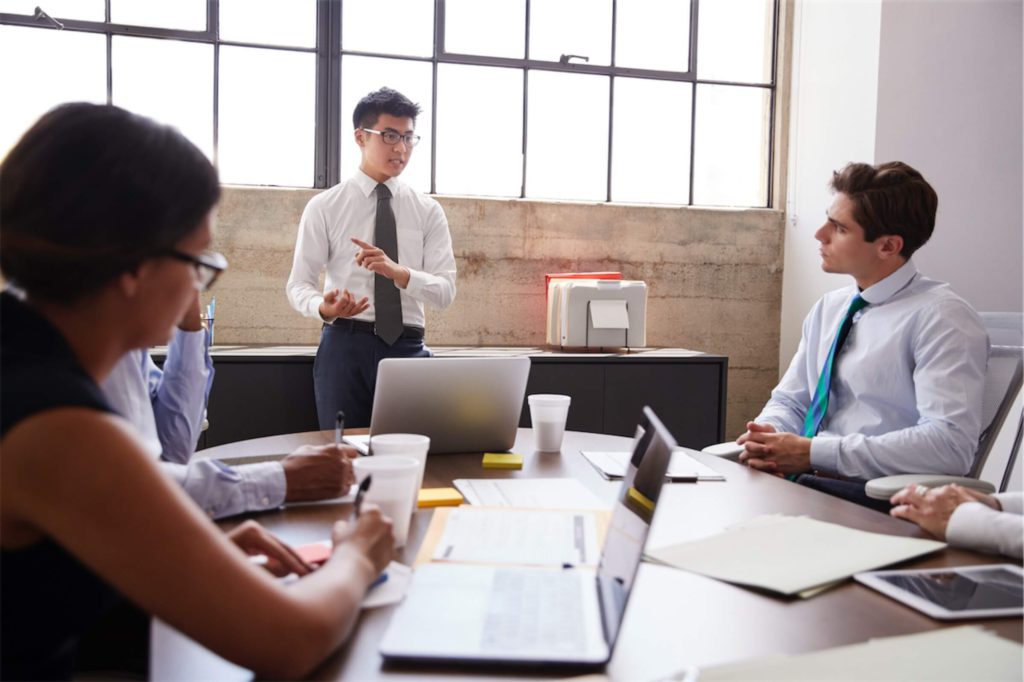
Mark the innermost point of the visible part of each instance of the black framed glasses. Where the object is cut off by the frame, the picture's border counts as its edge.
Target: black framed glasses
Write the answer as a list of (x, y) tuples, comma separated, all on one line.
[(393, 136), (208, 265)]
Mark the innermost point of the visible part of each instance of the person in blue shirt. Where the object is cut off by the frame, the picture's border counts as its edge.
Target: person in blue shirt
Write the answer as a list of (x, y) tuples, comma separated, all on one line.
[(167, 406), (906, 386)]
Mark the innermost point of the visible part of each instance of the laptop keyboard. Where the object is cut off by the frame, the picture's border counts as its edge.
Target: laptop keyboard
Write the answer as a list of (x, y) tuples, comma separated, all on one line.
[(534, 609)]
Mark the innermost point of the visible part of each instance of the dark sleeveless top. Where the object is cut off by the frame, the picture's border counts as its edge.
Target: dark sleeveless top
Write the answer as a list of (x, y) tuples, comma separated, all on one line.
[(47, 598)]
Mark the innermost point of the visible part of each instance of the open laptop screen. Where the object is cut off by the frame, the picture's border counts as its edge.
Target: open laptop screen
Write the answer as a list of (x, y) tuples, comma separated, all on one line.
[(631, 519)]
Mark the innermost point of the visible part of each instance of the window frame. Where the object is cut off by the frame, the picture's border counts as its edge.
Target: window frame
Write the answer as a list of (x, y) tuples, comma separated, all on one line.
[(328, 133)]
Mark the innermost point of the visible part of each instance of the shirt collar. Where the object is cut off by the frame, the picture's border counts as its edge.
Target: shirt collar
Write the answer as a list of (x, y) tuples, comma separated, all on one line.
[(880, 292), (368, 185)]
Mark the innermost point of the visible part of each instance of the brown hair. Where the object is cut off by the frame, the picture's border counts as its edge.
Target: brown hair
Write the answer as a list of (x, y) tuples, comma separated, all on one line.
[(889, 198)]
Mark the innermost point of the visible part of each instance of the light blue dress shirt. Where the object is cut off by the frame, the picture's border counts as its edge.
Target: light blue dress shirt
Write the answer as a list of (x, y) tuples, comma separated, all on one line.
[(167, 407), (907, 387)]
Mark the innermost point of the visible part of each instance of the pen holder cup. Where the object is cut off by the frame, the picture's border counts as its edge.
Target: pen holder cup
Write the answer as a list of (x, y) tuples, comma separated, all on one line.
[(393, 489)]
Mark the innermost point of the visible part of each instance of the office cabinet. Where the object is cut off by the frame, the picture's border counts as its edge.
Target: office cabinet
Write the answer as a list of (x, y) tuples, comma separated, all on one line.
[(268, 391)]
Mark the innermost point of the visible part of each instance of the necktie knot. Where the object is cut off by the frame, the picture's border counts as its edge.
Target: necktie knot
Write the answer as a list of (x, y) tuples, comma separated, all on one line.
[(856, 305), (383, 192)]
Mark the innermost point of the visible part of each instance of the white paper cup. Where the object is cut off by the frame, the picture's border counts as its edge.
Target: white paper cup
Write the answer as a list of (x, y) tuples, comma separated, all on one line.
[(392, 489), (405, 444), (548, 413)]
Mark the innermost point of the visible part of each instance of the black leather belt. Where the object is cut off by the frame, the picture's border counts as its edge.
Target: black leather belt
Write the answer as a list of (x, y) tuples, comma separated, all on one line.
[(368, 328)]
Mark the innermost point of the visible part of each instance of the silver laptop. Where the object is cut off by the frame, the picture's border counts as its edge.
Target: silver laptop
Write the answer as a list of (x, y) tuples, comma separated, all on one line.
[(463, 404), (533, 616)]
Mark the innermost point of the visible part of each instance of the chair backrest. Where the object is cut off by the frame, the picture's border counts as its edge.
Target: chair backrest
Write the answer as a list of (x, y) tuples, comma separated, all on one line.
[(1004, 329), (1002, 382), (1012, 470)]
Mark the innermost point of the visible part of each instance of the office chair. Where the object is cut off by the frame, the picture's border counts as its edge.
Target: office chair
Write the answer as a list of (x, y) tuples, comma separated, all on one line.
[(1003, 380), (1004, 329)]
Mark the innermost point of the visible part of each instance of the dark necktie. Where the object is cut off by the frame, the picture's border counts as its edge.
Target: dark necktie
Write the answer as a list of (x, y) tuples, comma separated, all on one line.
[(819, 404), (387, 300)]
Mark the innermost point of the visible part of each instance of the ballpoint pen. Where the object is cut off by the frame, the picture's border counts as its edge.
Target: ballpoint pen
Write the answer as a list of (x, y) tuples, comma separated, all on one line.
[(363, 487), (339, 427)]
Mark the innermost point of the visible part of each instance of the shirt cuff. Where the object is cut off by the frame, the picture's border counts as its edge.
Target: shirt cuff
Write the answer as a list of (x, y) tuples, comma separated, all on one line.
[(417, 283), (1012, 503), (264, 485), (191, 348), (966, 524), (825, 454), (313, 309)]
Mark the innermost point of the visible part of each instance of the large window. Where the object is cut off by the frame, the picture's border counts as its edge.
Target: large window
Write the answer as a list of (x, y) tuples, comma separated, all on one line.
[(639, 101)]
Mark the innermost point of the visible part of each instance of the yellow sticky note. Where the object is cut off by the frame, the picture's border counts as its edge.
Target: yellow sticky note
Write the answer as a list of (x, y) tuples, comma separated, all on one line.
[(440, 497), (502, 460), (641, 499)]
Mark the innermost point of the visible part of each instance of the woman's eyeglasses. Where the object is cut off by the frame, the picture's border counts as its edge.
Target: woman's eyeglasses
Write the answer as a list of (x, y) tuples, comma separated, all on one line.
[(208, 265)]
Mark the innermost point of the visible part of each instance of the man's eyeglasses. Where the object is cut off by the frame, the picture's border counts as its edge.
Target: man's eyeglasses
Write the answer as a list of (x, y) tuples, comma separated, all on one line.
[(393, 136), (208, 265)]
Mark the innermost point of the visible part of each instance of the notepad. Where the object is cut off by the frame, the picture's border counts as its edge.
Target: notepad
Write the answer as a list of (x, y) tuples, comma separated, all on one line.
[(530, 493), (794, 556), (502, 460), (682, 468)]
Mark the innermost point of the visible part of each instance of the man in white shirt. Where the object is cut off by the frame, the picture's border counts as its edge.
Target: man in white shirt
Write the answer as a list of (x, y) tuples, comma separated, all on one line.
[(902, 390), (376, 285), (166, 407)]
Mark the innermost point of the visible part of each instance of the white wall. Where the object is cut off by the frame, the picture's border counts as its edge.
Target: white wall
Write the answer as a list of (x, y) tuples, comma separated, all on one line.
[(950, 104), (935, 83), (832, 122)]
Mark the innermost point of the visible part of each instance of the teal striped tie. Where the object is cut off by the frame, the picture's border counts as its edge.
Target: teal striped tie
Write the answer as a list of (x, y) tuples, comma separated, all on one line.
[(819, 404)]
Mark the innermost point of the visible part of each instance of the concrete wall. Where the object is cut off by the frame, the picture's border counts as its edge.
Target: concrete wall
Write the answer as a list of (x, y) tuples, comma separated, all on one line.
[(714, 276), (950, 104)]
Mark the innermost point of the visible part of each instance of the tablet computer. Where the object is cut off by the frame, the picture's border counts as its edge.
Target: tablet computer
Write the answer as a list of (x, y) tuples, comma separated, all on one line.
[(961, 592)]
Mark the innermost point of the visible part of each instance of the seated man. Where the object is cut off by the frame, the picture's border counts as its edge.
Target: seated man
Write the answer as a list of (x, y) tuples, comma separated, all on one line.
[(889, 374), (167, 409)]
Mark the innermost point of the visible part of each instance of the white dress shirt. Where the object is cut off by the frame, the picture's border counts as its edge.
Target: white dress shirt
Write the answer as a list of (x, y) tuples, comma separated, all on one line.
[(166, 407), (979, 527), (906, 387), (349, 210)]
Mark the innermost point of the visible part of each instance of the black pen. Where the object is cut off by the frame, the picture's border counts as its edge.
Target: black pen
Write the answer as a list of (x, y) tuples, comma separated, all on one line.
[(363, 487), (339, 427)]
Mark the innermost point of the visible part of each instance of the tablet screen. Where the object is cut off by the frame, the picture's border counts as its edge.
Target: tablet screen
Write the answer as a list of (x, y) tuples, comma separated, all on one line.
[(995, 588)]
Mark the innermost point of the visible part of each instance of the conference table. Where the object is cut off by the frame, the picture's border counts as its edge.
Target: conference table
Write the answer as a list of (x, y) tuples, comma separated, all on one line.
[(674, 619)]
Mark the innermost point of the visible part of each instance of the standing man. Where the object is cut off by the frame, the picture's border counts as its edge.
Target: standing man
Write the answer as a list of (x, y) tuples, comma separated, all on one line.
[(889, 375), (386, 250)]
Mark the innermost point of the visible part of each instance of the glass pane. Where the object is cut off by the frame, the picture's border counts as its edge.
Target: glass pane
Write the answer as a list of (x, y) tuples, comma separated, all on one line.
[(731, 146), (651, 153), (84, 10), (267, 117), (654, 34), (44, 68), (361, 76), (270, 22), (189, 15), (398, 27), (479, 151), (590, 35), (168, 80), (735, 41), (566, 150), (495, 28)]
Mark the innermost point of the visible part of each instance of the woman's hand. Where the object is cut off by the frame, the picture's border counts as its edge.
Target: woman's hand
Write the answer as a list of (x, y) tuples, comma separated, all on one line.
[(255, 540), (370, 536)]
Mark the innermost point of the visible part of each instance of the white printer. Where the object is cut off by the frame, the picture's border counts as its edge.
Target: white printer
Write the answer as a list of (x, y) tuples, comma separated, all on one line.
[(597, 313)]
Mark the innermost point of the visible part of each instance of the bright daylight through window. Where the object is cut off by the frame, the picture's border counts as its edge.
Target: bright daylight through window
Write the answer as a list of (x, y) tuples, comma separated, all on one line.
[(638, 101)]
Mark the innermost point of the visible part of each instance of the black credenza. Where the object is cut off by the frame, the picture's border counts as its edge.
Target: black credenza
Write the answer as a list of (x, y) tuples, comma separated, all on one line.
[(266, 391)]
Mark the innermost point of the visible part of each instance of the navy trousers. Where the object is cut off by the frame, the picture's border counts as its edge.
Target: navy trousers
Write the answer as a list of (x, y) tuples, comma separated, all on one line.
[(852, 491), (345, 371)]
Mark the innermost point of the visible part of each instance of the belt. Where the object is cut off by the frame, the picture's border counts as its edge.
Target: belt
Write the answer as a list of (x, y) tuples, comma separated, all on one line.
[(370, 328)]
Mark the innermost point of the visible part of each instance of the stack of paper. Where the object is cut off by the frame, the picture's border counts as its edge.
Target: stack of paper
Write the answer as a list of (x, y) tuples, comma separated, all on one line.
[(682, 467), (790, 555), (963, 653)]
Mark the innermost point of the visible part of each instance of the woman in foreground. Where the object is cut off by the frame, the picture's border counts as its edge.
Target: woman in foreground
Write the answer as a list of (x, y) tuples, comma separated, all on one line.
[(104, 224)]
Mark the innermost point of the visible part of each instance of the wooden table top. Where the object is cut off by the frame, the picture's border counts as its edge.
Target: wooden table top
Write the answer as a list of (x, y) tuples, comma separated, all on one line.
[(674, 619)]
